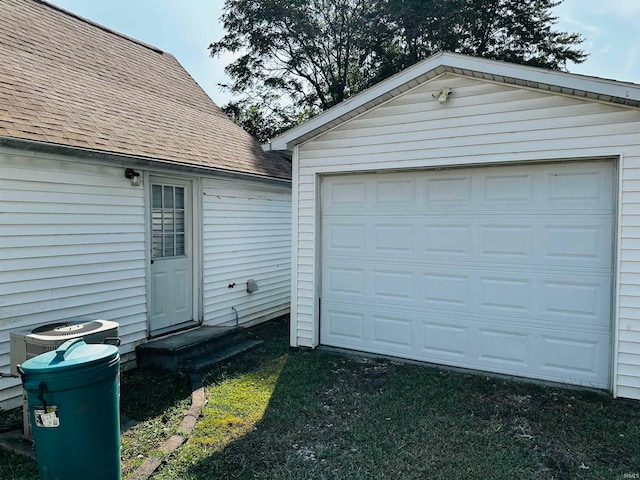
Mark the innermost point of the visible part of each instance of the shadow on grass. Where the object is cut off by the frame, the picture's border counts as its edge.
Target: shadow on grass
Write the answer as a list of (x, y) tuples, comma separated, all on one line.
[(150, 393), (295, 414), (17, 467)]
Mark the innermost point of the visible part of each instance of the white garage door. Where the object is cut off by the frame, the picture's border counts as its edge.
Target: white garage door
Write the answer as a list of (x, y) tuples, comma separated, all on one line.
[(504, 269)]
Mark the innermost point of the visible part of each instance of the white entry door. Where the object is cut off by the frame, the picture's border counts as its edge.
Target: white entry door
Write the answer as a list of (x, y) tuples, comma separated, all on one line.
[(171, 257), (504, 269)]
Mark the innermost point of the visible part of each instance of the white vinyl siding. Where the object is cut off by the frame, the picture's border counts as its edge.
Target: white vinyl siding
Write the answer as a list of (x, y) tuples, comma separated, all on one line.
[(246, 235), (306, 255), (482, 123), (72, 246)]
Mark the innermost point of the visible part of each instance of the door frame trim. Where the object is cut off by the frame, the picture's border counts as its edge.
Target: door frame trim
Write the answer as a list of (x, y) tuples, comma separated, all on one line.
[(196, 248)]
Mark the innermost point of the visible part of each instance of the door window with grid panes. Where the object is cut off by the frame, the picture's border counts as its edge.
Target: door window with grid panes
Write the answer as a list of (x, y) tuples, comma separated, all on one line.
[(168, 221)]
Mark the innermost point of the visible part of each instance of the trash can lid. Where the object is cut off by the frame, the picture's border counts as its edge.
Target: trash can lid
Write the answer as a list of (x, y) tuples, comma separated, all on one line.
[(71, 354)]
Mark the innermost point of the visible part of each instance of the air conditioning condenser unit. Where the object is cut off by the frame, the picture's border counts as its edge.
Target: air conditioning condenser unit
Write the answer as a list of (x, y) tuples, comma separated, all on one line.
[(27, 344), (30, 343)]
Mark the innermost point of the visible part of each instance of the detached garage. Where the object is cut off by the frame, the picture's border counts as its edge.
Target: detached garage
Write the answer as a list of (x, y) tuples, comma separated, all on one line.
[(476, 214)]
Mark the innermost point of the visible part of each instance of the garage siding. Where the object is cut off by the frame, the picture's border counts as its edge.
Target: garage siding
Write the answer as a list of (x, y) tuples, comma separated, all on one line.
[(304, 277), (71, 247), (482, 123), (247, 234)]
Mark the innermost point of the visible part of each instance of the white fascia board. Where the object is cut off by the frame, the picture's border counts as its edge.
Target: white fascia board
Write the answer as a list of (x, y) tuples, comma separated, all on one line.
[(563, 80), (599, 86)]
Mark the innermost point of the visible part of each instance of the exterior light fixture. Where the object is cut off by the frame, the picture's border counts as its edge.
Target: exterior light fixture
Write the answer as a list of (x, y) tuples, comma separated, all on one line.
[(443, 95), (132, 175)]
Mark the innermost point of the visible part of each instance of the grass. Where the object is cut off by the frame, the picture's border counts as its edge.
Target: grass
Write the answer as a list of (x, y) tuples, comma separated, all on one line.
[(278, 413), (294, 414), (157, 401), (17, 467)]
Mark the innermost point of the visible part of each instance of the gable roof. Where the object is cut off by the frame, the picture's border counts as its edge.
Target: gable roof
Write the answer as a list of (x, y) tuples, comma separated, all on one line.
[(65, 80), (591, 88)]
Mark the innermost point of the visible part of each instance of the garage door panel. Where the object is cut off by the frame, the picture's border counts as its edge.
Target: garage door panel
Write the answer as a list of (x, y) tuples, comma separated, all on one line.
[(523, 295), (345, 194), (569, 187), (502, 190), (345, 237), (570, 356), (503, 294), (390, 239), (554, 241), (343, 327), (568, 243), (504, 349), (451, 239), (583, 301), (523, 350), (473, 319), (504, 242), (447, 290), (546, 241), (395, 193), (574, 242), (506, 269), (392, 331), (444, 339), (393, 285), (590, 186), (448, 192), (345, 281)]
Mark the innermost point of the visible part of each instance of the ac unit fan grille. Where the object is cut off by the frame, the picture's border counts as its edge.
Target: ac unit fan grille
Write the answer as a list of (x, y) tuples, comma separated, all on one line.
[(68, 329)]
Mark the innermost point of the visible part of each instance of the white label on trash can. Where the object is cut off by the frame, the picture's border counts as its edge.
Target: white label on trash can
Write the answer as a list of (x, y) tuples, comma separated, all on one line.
[(47, 418)]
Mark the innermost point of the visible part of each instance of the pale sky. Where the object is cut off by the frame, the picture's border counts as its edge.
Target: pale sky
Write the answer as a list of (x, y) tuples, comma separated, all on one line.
[(185, 28)]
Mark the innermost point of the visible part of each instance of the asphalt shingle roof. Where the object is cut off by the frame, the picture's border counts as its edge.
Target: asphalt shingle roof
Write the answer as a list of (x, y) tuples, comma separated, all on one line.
[(68, 81)]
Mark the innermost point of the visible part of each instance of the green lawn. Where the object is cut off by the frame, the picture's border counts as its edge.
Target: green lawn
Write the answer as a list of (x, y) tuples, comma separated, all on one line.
[(278, 413)]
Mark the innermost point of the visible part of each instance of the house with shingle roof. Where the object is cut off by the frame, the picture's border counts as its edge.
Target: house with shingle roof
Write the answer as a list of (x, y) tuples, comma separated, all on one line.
[(126, 194)]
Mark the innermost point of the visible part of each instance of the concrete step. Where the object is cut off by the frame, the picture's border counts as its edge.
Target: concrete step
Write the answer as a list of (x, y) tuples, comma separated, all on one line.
[(196, 365), (192, 347)]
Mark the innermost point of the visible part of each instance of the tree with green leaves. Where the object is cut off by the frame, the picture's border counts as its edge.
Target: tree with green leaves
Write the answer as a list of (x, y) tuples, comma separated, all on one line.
[(300, 57)]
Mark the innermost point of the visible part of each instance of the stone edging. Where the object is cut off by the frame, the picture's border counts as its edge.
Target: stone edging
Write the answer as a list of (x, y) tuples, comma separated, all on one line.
[(198, 399)]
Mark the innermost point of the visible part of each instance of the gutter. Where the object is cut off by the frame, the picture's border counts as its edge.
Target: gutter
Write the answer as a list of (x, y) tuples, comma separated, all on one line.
[(268, 147), (131, 160)]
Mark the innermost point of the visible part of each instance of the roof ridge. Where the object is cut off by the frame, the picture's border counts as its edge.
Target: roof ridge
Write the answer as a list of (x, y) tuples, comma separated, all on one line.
[(101, 27)]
